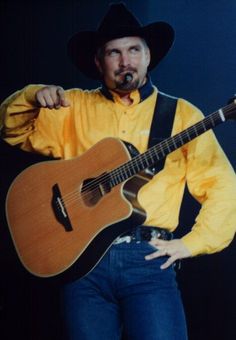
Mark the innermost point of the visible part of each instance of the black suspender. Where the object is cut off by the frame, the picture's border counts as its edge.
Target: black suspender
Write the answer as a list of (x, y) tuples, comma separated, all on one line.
[(162, 122)]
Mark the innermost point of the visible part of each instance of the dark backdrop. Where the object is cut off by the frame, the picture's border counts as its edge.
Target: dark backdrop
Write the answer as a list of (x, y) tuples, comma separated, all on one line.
[(200, 67)]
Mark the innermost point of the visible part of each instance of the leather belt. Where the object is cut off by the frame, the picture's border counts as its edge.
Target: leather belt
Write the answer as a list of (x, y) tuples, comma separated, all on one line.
[(144, 233)]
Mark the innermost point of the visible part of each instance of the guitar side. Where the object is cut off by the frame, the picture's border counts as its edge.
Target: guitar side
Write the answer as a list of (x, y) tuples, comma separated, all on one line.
[(45, 246)]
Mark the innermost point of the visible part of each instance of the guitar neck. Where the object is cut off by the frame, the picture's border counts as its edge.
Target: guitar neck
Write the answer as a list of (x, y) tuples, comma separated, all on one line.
[(162, 149)]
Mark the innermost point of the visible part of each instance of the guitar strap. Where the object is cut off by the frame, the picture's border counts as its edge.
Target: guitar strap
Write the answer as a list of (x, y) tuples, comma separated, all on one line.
[(162, 123)]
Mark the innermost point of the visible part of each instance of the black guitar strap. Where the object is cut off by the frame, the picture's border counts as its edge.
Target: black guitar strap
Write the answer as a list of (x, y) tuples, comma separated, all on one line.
[(162, 123)]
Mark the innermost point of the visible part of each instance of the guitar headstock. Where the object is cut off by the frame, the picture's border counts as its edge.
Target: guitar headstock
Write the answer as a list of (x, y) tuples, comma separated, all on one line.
[(230, 110)]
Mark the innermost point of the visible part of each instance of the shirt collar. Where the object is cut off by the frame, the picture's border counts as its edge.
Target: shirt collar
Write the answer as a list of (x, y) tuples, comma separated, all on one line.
[(144, 91)]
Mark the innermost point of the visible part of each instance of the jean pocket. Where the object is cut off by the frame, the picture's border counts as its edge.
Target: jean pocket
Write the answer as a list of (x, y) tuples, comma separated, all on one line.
[(150, 246)]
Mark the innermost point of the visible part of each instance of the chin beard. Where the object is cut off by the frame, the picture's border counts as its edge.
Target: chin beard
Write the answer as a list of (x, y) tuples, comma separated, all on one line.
[(127, 86)]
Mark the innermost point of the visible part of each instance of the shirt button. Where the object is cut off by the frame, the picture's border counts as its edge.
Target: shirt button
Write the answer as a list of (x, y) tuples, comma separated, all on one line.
[(123, 131)]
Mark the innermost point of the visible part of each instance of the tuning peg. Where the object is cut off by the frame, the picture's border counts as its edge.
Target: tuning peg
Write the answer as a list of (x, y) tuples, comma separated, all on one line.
[(232, 99)]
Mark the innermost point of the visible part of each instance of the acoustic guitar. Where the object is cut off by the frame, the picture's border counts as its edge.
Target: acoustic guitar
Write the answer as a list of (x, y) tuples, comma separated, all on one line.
[(65, 214)]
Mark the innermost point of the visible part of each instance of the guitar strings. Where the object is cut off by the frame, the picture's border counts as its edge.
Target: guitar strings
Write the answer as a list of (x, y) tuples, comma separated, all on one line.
[(76, 195), (94, 183)]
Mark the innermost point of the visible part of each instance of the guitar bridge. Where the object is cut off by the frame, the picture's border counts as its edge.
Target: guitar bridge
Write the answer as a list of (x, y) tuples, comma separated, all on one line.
[(59, 208)]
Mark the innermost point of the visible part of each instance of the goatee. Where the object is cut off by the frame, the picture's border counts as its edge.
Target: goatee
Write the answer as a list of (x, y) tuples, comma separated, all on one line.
[(127, 86)]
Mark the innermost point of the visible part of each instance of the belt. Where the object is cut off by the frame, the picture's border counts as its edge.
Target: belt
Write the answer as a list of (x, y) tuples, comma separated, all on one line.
[(144, 233)]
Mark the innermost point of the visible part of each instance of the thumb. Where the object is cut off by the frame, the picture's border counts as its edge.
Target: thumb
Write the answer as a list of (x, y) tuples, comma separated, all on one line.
[(63, 100)]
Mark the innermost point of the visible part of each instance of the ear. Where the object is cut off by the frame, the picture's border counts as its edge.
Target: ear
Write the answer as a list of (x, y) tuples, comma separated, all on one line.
[(98, 64), (148, 56)]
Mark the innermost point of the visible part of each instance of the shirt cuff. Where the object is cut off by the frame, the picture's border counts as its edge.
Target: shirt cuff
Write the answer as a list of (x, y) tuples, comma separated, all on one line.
[(194, 244)]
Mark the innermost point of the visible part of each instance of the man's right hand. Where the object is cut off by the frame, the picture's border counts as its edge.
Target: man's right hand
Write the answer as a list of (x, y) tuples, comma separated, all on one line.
[(51, 97)]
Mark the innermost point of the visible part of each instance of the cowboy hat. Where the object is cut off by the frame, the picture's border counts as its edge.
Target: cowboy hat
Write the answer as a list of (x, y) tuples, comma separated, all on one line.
[(118, 22)]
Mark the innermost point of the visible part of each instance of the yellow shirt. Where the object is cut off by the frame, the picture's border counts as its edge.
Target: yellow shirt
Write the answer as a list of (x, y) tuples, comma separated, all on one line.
[(91, 116)]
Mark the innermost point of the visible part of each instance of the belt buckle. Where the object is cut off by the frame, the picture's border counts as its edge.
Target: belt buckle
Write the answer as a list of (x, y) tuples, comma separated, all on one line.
[(122, 239), (155, 234)]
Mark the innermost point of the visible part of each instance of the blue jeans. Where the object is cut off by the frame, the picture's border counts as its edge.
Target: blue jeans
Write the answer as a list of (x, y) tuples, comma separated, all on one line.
[(125, 294)]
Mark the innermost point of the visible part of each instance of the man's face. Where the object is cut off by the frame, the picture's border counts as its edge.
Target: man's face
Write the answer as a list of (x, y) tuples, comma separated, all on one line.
[(121, 56)]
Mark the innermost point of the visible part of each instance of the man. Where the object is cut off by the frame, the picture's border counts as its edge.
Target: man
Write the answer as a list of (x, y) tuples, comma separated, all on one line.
[(132, 289)]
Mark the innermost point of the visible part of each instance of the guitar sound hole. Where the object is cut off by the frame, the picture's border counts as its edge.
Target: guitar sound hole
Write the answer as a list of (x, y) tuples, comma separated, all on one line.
[(93, 189)]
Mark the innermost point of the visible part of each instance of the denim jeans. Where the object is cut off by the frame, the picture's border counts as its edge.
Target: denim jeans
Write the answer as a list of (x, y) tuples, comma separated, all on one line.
[(125, 294)]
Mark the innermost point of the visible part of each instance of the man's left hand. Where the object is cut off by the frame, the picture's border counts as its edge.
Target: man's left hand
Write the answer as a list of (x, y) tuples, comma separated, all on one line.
[(175, 249)]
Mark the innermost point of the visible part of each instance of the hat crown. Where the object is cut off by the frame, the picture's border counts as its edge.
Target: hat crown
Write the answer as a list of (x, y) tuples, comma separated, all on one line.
[(117, 19)]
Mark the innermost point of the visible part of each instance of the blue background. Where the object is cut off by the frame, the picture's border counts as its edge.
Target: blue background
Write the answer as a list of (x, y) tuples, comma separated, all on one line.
[(200, 67)]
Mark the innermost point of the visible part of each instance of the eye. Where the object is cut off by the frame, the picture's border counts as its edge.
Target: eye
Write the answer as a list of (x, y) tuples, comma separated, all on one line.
[(135, 49), (112, 53)]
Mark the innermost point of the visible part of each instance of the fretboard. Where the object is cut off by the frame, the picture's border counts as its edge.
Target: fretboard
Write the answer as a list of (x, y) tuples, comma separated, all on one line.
[(149, 158)]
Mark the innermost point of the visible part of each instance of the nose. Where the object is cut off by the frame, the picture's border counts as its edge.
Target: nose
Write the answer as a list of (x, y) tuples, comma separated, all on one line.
[(124, 59)]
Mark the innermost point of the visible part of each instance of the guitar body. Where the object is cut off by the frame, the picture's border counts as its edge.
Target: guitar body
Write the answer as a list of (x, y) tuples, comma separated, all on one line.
[(89, 217), (65, 214)]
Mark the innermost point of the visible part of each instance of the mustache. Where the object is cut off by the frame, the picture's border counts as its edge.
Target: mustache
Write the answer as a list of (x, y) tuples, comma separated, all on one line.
[(122, 70)]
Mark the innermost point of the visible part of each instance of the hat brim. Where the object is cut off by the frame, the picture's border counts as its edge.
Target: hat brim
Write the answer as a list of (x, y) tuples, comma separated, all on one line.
[(83, 45)]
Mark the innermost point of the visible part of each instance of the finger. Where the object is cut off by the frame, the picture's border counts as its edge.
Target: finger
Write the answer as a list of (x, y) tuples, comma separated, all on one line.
[(49, 100), (40, 99), (158, 242), (55, 97), (62, 98), (169, 262), (152, 256), (156, 254)]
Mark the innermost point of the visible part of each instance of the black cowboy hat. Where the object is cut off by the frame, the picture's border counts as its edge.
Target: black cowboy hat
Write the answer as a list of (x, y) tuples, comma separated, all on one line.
[(117, 23)]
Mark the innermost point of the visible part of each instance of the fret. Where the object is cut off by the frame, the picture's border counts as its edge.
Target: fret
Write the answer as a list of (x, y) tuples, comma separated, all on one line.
[(138, 167), (133, 168), (114, 180), (141, 163), (120, 178), (195, 130), (162, 150), (212, 120), (129, 172), (157, 156), (175, 145), (167, 146), (182, 141), (147, 163), (152, 159), (189, 138), (203, 126)]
